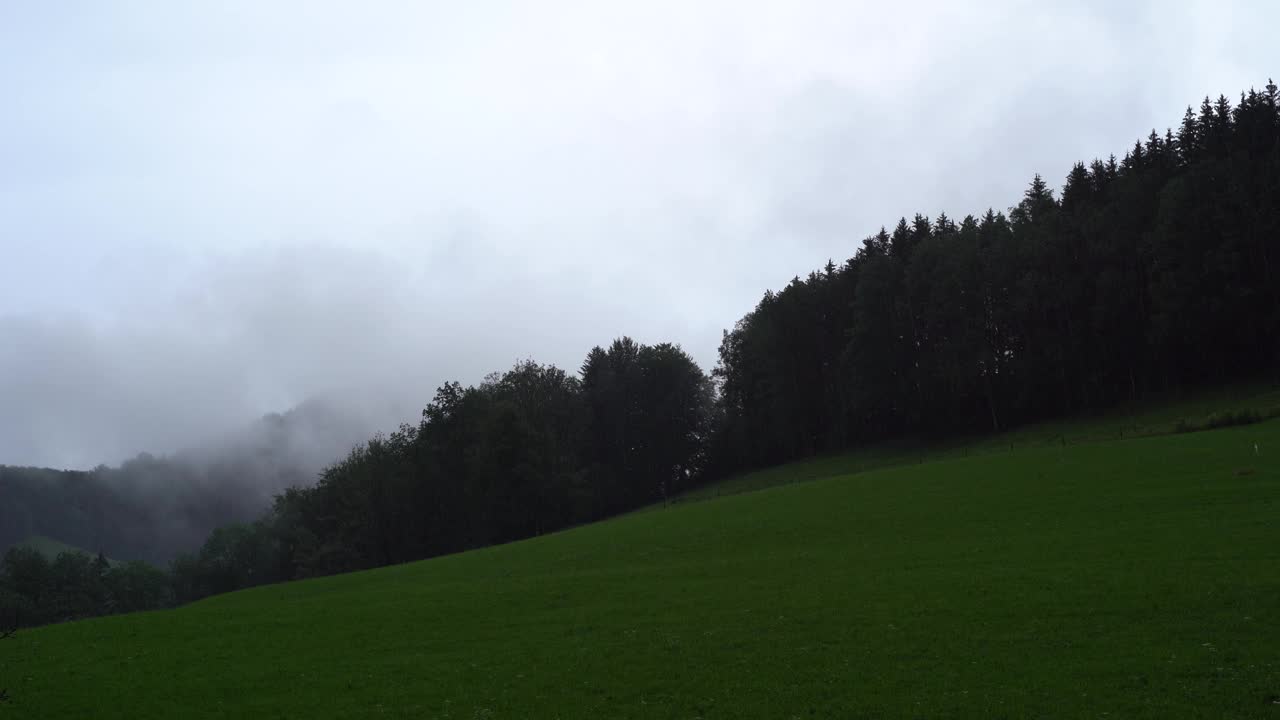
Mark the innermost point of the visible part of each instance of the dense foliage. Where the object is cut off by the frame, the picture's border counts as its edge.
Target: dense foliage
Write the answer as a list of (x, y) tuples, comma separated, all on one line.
[(526, 452), (1155, 272), (35, 590)]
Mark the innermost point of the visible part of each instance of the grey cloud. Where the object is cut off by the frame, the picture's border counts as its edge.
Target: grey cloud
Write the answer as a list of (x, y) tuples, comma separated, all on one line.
[(212, 212)]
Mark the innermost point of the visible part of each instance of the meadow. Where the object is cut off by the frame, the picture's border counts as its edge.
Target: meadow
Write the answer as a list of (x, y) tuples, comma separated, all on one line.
[(1088, 577)]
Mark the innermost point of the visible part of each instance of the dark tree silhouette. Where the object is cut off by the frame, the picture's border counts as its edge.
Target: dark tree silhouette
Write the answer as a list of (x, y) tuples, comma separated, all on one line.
[(1149, 274)]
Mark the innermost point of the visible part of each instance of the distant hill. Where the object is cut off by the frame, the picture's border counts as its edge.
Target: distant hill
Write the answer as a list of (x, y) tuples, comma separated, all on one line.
[(52, 548), (154, 507)]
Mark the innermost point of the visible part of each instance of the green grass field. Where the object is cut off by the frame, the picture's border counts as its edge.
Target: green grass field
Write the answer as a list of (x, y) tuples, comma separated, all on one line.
[(1148, 419), (1098, 578)]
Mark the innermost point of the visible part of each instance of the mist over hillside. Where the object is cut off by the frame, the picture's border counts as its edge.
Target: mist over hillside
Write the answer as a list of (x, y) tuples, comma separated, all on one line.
[(152, 507)]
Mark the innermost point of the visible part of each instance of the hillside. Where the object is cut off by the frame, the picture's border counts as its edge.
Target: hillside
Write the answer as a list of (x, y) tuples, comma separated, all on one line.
[(1133, 578), (153, 508), (1186, 412), (51, 548)]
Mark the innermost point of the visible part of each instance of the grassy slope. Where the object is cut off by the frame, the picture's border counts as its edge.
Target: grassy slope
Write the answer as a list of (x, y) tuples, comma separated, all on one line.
[(1145, 420), (1127, 579)]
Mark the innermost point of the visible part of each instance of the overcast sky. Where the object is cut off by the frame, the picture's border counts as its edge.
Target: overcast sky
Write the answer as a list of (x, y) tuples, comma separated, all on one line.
[(209, 211)]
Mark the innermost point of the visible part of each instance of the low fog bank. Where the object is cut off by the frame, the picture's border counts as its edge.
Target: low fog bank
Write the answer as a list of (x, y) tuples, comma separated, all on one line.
[(146, 395), (280, 450), (153, 507), (213, 340)]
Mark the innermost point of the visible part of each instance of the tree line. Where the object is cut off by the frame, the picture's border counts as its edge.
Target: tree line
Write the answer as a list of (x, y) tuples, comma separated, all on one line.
[(1151, 272), (1154, 272), (525, 452), (35, 590)]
